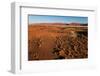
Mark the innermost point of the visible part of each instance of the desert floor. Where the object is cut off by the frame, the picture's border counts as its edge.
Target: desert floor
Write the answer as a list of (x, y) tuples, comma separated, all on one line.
[(57, 41)]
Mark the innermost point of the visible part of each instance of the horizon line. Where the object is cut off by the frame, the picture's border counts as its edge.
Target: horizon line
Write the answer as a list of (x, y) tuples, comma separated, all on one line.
[(57, 23)]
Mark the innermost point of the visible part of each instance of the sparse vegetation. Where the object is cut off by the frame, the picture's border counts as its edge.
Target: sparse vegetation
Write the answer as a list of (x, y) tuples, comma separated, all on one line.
[(35, 43), (56, 42)]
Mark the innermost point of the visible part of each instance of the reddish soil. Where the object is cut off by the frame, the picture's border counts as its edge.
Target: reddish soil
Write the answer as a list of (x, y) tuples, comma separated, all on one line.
[(57, 41)]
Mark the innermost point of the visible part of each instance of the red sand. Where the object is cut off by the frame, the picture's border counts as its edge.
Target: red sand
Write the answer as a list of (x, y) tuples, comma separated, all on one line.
[(47, 42)]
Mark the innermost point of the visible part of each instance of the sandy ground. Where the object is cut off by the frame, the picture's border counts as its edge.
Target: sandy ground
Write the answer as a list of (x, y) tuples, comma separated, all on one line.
[(57, 41)]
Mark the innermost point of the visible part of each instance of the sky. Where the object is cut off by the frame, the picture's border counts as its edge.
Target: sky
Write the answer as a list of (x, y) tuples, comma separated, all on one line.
[(56, 19)]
